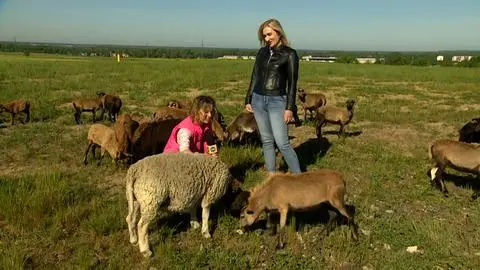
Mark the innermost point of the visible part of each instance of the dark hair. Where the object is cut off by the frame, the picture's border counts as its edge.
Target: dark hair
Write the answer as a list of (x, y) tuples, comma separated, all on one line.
[(205, 103)]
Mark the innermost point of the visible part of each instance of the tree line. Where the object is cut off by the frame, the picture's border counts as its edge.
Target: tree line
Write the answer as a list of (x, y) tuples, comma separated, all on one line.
[(388, 58)]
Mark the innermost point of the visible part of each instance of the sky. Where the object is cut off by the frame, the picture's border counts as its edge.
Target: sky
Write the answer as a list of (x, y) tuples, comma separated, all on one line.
[(381, 25)]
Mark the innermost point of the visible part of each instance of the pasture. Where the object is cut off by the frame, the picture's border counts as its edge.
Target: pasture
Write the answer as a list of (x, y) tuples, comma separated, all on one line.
[(56, 213)]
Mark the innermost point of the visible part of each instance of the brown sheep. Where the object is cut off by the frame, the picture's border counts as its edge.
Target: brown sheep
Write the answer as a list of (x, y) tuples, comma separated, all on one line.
[(151, 137), (310, 102), (111, 104), (460, 156), (87, 105), (334, 115), (242, 124), (182, 104), (125, 127), (104, 137), (17, 106), (164, 113), (290, 192)]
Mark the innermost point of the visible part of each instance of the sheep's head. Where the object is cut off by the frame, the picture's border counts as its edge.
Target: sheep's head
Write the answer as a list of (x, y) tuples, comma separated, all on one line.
[(350, 104), (174, 104), (301, 93), (100, 94), (247, 217), (2, 108)]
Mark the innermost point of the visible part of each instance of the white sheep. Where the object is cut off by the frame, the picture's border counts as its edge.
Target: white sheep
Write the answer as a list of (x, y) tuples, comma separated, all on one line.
[(172, 183)]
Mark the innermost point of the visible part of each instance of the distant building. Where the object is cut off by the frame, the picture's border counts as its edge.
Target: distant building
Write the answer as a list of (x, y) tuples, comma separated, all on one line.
[(439, 58), (460, 58), (366, 60), (329, 59)]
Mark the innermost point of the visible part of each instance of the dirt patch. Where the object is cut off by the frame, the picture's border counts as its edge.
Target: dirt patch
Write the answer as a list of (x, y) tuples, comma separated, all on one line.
[(409, 97), (468, 107)]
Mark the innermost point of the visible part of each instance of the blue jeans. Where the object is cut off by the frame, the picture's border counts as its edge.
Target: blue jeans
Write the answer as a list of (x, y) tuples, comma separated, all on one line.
[(269, 112)]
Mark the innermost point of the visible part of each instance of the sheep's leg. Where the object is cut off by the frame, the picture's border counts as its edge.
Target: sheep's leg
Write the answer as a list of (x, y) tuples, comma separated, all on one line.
[(147, 215), (27, 116), (439, 176), (132, 220), (272, 227), (94, 148), (320, 123), (13, 119), (205, 217), (304, 115), (339, 204), (102, 154), (85, 161), (283, 222), (93, 115), (78, 117), (194, 219), (341, 131)]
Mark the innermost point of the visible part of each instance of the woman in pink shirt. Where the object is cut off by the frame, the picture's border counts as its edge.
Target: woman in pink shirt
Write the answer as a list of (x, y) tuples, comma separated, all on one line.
[(194, 134)]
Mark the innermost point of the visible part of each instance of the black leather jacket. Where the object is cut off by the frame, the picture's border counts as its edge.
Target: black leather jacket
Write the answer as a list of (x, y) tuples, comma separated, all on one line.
[(275, 75)]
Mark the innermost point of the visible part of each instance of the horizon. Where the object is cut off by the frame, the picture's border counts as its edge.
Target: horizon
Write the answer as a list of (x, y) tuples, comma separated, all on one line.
[(345, 25)]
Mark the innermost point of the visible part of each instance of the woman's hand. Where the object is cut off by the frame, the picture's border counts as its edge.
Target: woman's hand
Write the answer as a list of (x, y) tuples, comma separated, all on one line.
[(248, 107), (288, 116)]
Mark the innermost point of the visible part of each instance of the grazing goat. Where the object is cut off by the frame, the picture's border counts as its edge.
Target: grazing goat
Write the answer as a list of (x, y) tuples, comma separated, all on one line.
[(16, 106), (470, 132), (460, 156), (242, 124), (172, 183), (310, 102), (334, 115), (285, 192), (87, 105), (111, 104), (104, 137)]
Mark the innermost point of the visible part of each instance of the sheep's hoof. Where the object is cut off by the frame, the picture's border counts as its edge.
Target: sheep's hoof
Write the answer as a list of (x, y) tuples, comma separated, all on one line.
[(133, 241), (207, 235), (445, 194), (195, 224), (280, 246), (147, 253)]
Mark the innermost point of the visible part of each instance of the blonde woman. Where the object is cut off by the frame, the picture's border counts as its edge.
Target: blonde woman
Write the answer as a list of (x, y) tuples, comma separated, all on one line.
[(272, 92)]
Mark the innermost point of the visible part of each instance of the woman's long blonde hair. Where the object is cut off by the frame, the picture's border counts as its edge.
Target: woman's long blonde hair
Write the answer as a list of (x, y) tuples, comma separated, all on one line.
[(277, 27)]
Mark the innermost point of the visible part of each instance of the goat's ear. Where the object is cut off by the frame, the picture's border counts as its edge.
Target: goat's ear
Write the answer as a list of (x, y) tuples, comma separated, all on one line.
[(250, 212)]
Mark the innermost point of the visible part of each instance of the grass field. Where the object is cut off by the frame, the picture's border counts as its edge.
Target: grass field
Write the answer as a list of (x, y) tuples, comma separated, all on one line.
[(56, 213)]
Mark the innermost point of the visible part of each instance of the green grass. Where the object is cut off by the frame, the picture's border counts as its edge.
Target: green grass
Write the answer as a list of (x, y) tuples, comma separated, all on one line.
[(56, 213)]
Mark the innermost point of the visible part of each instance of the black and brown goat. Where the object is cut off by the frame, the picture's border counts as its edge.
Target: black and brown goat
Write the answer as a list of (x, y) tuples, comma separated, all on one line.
[(16, 106), (111, 105), (87, 105), (310, 102), (334, 115)]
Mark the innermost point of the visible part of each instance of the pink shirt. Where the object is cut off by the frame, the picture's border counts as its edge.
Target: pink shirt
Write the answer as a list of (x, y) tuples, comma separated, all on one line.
[(197, 140)]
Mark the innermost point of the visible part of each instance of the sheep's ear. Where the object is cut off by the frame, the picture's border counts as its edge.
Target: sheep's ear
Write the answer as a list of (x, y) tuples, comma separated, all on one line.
[(250, 212)]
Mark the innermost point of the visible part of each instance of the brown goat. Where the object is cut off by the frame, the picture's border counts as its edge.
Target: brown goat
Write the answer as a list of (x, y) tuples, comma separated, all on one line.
[(334, 115), (242, 124), (151, 137), (17, 106), (111, 104), (297, 192), (182, 104), (164, 113), (310, 102), (460, 156), (87, 105)]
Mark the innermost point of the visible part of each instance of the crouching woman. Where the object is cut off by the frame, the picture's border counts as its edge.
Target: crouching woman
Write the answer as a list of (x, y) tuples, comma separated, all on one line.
[(194, 134)]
